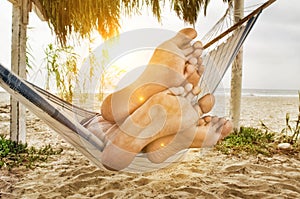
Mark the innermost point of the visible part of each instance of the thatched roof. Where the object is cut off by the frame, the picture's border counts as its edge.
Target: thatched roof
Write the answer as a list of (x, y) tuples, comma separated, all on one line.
[(85, 16)]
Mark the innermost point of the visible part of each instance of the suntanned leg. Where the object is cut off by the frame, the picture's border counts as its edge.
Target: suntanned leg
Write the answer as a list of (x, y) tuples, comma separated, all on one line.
[(162, 115), (206, 134), (168, 67), (98, 126)]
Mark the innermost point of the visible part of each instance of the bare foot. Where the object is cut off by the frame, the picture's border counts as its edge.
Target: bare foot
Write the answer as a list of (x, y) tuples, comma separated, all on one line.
[(167, 68), (164, 114), (206, 134)]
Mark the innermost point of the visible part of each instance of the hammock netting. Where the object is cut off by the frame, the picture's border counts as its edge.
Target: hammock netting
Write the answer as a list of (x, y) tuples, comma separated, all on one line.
[(68, 119)]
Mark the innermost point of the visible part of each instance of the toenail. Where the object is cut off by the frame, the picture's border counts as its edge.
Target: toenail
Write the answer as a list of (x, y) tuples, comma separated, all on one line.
[(177, 90), (188, 87), (198, 44), (190, 68), (193, 61), (196, 90), (207, 119)]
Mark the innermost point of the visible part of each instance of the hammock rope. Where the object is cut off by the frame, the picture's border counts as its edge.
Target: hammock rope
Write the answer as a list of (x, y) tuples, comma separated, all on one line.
[(67, 119)]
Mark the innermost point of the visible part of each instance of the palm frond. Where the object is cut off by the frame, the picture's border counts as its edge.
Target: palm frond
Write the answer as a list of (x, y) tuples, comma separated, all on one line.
[(85, 16)]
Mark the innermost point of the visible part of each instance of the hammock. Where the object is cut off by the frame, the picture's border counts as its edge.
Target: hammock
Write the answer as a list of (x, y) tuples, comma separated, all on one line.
[(68, 119)]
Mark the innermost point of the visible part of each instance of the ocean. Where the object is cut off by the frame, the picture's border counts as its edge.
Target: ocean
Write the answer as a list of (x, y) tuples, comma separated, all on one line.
[(262, 92), (271, 92), (245, 92)]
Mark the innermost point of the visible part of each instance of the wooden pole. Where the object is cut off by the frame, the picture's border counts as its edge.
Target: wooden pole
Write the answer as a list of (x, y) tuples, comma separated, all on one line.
[(236, 73), (18, 66)]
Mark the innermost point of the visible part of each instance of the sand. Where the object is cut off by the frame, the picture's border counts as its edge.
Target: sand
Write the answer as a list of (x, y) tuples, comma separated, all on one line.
[(205, 174)]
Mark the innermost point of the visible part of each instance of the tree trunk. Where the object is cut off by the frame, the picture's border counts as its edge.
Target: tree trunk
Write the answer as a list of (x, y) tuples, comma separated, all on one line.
[(18, 66), (236, 73)]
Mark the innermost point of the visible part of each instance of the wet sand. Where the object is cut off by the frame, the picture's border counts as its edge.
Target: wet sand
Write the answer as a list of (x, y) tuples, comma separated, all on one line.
[(203, 174)]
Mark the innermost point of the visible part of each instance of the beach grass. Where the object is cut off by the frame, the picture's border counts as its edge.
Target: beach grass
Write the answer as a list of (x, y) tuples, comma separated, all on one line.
[(290, 129), (13, 154), (254, 141), (248, 140)]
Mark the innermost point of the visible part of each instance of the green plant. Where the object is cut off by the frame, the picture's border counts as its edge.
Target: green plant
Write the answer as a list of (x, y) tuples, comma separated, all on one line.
[(61, 62), (29, 58), (13, 154), (107, 76), (262, 141), (293, 131), (83, 17), (249, 140)]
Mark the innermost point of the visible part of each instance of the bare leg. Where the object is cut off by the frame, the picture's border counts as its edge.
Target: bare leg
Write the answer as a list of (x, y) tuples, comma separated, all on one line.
[(164, 114), (206, 134), (167, 68)]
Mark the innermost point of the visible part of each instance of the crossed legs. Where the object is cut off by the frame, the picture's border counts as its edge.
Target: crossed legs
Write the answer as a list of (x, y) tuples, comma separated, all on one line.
[(166, 121), (161, 127)]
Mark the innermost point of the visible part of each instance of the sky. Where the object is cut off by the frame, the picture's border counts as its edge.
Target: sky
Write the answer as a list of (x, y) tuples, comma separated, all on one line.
[(271, 60)]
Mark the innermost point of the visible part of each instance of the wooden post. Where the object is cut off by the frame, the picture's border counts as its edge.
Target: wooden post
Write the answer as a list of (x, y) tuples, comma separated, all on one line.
[(236, 73), (18, 66)]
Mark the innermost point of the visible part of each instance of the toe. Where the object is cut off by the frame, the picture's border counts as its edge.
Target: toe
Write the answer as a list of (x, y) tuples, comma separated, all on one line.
[(194, 78), (201, 122), (207, 119), (206, 103), (177, 91), (213, 134), (198, 45), (188, 50), (227, 129), (193, 61), (191, 74), (196, 90), (189, 69), (188, 87), (184, 37), (201, 70), (188, 92), (214, 120), (197, 53), (189, 32), (220, 125), (192, 52)]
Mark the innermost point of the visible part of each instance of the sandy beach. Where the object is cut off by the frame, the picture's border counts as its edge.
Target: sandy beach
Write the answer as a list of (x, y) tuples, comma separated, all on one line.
[(203, 174)]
